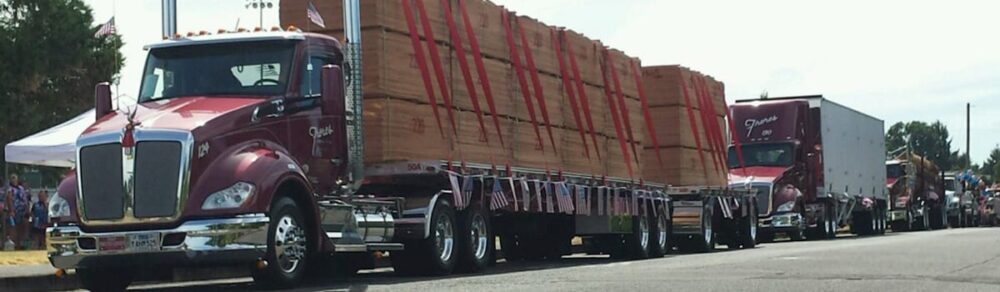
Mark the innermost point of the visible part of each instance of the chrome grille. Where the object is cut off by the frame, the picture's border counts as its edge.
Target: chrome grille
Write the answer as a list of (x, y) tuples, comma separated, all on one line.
[(102, 182), (157, 165)]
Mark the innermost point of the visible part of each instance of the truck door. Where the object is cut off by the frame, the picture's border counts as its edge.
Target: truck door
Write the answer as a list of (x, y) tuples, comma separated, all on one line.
[(318, 138)]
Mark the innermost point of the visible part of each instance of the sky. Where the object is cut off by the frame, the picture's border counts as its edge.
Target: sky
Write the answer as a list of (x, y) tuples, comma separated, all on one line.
[(895, 60)]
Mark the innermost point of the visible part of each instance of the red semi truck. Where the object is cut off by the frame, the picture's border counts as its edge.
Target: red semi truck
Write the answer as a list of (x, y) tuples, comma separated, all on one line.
[(229, 159), (917, 200), (817, 165)]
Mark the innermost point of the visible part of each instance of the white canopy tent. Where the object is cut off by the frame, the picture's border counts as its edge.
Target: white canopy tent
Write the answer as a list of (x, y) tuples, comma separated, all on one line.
[(55, 146)]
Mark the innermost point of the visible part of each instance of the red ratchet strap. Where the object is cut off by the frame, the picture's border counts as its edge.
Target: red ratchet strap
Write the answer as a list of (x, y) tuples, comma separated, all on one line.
[(705, 122), (537, 84), (622, 107), (463, 64), (418, 53), (694, 125), (614, 112), (477, 56), (568, 85), (723, 152), (436, 61), (713, 124), (645, 112), (584, 103), (736, 139), (516, 60)]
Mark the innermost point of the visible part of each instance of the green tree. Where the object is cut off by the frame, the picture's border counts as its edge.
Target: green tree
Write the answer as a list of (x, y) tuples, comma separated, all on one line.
[(52, 60), (930, 140), (991, 165)]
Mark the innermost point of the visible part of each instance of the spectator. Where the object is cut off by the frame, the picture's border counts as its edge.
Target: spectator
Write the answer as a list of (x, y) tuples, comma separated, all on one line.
[(39, 218), (17, 214)]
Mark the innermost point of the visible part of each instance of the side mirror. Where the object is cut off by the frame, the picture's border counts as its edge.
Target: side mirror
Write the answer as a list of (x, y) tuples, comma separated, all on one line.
[(102, 99), (332, 90)]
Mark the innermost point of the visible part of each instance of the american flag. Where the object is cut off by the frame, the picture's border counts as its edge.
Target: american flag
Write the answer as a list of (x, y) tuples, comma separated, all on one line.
[(467, 187), (582, 200), (565, 199), (314, 16), (497, 198), (513, 191), (108, 28), (549, 193), (456, 192), (600, 201), (525, 194), (538, 195)]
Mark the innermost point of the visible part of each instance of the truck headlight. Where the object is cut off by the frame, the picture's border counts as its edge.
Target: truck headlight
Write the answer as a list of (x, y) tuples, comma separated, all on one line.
[(230, 197), (58, 207), (786, 207)]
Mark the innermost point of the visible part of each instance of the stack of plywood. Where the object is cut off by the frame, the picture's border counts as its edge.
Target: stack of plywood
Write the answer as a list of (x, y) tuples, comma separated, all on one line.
[(673, 115), (399, 113)]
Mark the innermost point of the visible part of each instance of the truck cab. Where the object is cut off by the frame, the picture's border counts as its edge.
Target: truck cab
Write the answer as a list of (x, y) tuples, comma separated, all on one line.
[(221, 161)]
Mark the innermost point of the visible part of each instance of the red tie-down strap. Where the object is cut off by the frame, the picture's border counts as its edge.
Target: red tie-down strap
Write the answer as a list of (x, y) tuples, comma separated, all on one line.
[(622, 107), (537, 84), (515, 59), (724, 152), (713, 123), (584, 102), (436, 62), (463, 64), (568, 86), (706, 122), (614, 111), (418, 54), (645, 112), (694, 125), (481, 69)]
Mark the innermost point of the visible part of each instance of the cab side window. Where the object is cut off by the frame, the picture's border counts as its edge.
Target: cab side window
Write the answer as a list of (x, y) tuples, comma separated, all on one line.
[(310, 81)]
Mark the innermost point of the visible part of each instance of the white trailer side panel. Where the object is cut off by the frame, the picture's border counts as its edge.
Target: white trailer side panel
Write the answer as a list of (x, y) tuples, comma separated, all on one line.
[(853, 151)]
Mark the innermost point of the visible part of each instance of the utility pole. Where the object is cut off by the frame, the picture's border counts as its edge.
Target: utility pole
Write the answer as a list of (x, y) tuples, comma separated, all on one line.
[(968, 131)]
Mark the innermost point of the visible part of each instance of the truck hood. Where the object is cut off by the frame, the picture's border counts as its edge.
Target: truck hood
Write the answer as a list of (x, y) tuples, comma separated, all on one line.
[(184, 113), (756, 174)]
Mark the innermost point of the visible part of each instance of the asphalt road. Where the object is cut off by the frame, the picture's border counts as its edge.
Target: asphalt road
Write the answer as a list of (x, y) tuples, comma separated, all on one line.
[(945, 260)]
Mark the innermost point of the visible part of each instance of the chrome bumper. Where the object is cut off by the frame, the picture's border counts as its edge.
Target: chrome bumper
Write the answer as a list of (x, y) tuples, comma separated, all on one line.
[(897, 215), (781, 221), (241, 239)]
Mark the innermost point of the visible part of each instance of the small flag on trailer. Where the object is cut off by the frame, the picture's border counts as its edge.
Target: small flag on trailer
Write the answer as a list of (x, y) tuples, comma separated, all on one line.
[(456, 192), (513, 191), (467, 187), (538, 195), (549, 193), (525, 194), (497, 198), (314, 16), (107, 28), (600, 201), (565, 198)]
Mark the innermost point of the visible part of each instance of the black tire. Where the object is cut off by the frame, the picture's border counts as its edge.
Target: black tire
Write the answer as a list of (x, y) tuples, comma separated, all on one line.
[(748, 228), (706, 241), (660, 239), (104, 279), (475, 239), (832, 220), (765, 237), (286, 266), (923, 222), (434, 255), (797, 235), (881, 221), (953, 222), (509, 247), (639, 241)]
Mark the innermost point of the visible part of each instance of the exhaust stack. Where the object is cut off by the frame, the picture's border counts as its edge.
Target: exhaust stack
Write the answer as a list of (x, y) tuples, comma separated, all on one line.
[(353, 95)]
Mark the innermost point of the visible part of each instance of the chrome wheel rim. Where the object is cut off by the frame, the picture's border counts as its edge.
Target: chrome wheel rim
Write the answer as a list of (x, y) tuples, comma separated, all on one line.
[(707, 222), (661, 227), (478, 234), (444, 237), (289, 244), (753, 226)]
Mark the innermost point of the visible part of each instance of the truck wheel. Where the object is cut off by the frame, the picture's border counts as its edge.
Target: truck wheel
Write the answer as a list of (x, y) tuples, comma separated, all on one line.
[(661, 236), (830, 224), (706, 242), (638, 243), (765, 237), (748, 228), (434, 255), (287, 246), (104, 279), (881, 221), (475, 239)]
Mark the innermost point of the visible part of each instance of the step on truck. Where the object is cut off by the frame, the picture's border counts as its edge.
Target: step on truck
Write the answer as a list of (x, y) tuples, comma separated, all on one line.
[(817, 164), (247, 149)]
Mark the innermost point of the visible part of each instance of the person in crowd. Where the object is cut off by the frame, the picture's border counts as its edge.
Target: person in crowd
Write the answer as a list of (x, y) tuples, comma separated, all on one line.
[(17, 215), (39, 218)]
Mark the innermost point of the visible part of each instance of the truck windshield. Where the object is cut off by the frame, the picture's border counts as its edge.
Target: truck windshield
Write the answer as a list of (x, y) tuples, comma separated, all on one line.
[(779, 154), (244, 69), (893, 170), (949, 184)]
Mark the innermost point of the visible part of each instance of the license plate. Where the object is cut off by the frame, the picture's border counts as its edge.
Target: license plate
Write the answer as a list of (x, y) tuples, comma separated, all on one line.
[(132, 242)]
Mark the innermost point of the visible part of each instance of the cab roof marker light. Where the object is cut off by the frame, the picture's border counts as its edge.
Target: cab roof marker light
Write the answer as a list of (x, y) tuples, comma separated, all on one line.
[(258, 29), (275, 28), (292, 28), (221, 31)]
